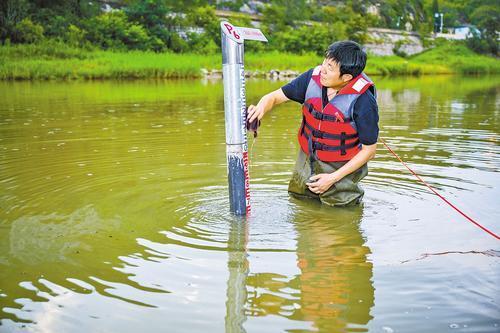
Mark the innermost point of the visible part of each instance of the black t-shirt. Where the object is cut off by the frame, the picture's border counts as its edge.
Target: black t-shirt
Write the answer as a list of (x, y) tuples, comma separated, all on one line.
[(365, 111)]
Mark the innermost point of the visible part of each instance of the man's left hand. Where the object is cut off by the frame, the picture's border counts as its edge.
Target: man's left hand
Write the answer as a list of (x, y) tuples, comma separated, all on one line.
[(320, 183)]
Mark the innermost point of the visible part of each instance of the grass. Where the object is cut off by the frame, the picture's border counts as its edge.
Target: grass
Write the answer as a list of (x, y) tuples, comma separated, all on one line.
[(53, 60), (58, 61), (393, 65), (458, 57)]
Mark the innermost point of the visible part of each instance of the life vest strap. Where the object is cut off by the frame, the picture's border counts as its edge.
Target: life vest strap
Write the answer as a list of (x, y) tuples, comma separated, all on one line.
[(324, 116), (321, 146), (323, 135)]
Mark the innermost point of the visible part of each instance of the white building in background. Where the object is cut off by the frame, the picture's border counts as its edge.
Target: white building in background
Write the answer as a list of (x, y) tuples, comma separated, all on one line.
[(460, 33), (465, 31)]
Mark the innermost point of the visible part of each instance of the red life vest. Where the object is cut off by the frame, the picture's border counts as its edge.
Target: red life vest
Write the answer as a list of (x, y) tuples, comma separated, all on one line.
[(329, 134)]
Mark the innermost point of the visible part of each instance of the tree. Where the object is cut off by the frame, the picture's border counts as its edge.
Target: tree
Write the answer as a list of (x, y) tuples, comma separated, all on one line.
[(114, 31), (279, 15), (11, 13), (152, 15), (355, 25), (27, 32), (487, 19), (205, 18)]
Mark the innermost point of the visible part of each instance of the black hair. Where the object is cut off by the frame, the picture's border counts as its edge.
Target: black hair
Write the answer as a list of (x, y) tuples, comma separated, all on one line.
[(349, 55)]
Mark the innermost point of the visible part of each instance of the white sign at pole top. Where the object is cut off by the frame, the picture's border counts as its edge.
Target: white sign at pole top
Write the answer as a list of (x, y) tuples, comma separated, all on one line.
[(239, 34)]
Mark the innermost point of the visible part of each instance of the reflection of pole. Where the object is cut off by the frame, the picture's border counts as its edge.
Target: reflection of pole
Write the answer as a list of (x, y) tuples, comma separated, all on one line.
[(236, 284), (234, 105)]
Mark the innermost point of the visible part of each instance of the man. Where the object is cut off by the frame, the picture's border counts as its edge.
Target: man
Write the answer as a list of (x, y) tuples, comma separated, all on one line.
[(339, 130)]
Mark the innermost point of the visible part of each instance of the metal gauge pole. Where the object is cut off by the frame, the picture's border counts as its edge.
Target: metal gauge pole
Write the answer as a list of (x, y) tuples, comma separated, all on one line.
[(235, 113)]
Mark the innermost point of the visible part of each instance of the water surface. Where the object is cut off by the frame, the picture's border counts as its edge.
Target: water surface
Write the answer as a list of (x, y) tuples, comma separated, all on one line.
[(114, 214)]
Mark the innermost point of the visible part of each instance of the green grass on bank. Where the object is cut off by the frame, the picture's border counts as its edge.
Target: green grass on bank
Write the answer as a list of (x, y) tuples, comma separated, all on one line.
[(52, 60), (57, 61), (459, 58)]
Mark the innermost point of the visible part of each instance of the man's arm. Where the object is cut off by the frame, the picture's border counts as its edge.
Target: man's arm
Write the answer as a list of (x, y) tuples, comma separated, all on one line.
[(266, 103), (323, 181)]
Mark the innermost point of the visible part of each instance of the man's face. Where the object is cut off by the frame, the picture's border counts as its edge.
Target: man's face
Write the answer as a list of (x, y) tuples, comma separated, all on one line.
[(330, 75)]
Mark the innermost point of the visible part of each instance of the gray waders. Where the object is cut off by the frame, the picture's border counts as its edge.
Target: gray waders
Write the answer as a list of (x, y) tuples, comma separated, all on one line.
[(345, 192)]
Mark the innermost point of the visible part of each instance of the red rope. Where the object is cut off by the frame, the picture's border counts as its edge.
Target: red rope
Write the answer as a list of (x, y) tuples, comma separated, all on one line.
[(436, 193)]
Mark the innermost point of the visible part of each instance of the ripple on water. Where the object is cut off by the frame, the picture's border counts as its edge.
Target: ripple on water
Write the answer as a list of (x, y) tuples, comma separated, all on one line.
[(208, 220)]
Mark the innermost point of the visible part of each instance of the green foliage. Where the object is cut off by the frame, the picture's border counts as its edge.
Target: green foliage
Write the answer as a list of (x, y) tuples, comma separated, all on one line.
[(177, 44), (478, 44), (57, 15), (75, 36), (233, 5), (425, 32), (187, 5), (205, 18), (48, 49), (201, 43), (274, 19), (56, 60), (308, 39), (26, 31), (487, 19), (114, 31), (152, 15), (336, 24), (398, 48), (279, 60), (56, 25), (11, 13), (296, 26), (459, 58), (353, 23), (395, 14), (53, 60)]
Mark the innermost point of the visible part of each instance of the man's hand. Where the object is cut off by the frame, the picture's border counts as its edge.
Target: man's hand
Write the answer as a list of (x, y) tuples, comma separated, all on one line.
[(255, 112), (320, 183), (266, 103)]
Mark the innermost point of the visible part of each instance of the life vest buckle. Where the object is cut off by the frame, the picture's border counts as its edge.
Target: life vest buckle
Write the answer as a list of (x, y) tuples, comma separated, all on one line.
[(317, 145), (317, 134)]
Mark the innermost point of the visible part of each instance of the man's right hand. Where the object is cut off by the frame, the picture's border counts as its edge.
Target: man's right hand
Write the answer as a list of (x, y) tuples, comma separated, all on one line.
[(255, 112), (265, 104)]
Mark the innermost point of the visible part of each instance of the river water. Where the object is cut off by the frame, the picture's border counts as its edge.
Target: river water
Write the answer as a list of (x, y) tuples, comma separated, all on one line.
[(114, 214)]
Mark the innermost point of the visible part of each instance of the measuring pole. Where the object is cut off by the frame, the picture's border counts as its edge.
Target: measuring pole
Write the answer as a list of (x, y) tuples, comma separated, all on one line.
[(235, 113)]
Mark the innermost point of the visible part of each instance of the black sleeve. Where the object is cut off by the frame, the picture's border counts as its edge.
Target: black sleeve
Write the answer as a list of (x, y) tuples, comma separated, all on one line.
[(365, 116), (296, 90)]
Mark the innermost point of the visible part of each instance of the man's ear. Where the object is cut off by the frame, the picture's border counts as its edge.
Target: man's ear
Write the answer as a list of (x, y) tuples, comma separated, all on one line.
[(346, 77)]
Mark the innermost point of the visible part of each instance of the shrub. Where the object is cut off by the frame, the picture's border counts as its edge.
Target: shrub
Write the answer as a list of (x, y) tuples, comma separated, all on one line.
[(201, 43), (75, 36), (398, 48), (27, 32), (114, 31), (309, 39)]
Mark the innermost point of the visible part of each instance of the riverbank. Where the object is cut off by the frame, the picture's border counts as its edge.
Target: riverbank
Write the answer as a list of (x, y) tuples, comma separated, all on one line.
[(52, 60)]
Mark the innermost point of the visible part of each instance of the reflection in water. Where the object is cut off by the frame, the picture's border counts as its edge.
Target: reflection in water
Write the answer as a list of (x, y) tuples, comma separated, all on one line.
[(333, 290), (335, 280), (54, 238), (238, 272)]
